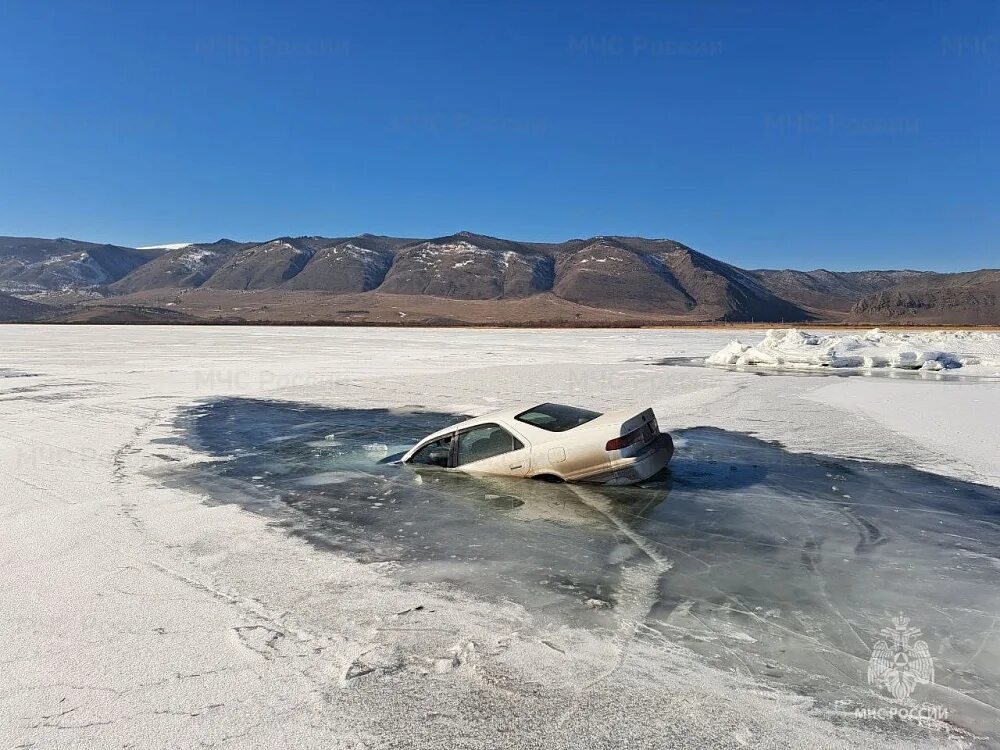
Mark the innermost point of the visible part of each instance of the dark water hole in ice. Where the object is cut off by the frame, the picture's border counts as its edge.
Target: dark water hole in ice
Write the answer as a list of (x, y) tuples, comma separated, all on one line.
[(777, 564)]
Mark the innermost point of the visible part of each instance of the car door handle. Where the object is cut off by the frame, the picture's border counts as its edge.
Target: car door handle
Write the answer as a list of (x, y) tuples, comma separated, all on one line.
[(517, 466)]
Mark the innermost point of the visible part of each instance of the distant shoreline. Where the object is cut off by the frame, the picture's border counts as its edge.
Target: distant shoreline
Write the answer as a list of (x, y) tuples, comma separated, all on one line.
[(746, 326)]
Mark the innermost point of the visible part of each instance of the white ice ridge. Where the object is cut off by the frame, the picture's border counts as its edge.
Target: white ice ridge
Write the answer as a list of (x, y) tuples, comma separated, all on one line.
[(975, 352)]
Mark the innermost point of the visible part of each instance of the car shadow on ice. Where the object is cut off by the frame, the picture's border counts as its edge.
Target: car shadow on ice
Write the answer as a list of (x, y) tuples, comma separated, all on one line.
[(784, 565)]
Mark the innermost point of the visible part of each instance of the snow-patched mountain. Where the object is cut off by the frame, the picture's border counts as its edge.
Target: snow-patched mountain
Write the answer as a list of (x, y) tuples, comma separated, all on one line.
[(722, 291), (600, 279), (14, 310), (639, 274), (606, 272), (34, 266), (971, 298), (183, 267), (354, 265), (831, 290), (266, 265), (469, 266)]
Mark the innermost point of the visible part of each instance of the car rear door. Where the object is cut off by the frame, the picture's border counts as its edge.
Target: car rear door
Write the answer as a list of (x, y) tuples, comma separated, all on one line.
[(492, 449)]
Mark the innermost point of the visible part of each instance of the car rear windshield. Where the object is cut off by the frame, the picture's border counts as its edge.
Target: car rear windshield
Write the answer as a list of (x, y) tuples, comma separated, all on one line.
[(556, 417)]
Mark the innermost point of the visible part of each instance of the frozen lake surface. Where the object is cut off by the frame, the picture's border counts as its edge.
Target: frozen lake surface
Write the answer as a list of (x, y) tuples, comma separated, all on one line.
[(785, 566), (205, 546)]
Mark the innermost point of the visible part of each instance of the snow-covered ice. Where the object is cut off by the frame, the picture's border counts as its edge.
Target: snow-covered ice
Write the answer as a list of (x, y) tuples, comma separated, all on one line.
[(976, 353), (284, 588)]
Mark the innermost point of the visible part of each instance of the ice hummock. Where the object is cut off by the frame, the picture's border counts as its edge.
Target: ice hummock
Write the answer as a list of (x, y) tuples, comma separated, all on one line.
[(972, 352)]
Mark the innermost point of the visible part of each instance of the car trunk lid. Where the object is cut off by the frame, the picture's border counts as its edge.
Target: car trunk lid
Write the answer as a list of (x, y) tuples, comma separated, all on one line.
[(634, 431)]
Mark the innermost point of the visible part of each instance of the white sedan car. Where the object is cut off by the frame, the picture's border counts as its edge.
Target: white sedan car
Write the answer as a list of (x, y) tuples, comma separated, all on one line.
[(551, 441)]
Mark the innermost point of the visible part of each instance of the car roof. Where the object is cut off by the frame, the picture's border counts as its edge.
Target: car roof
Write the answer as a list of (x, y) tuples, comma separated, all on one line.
[(501, 415)]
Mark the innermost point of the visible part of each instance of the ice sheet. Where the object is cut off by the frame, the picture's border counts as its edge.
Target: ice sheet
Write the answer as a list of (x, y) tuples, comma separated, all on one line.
[(136, 609)]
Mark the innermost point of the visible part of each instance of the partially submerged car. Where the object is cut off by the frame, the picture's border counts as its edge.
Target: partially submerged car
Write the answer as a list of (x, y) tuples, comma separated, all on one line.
[(551, 441)]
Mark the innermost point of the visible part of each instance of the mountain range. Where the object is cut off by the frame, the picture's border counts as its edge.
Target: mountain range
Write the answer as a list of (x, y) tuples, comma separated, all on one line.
[(461, 279)]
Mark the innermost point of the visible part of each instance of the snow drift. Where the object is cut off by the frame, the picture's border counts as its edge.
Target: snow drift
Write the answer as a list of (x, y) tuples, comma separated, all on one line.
[(974, 352)]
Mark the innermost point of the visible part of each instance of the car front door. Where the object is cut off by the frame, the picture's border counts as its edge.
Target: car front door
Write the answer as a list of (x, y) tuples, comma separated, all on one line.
[(436, 453), (492, 449)]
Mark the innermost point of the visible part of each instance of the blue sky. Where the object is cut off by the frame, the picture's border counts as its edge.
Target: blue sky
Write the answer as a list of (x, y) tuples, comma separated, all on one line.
[(837, 134)]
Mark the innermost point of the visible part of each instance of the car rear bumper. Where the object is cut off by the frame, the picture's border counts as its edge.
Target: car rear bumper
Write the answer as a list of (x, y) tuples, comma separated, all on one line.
[(637, 468)]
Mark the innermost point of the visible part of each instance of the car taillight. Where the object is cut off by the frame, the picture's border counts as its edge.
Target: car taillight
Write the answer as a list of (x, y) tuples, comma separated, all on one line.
[(624, 441)]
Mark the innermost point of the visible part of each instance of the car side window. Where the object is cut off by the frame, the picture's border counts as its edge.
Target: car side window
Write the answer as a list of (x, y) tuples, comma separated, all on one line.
[(433, 454), (485, 441)]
